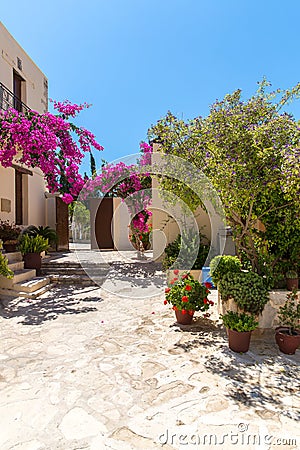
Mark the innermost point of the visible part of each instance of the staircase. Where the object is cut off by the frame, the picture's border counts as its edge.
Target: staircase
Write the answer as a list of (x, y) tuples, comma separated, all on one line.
[(24, 283), (71, 272)]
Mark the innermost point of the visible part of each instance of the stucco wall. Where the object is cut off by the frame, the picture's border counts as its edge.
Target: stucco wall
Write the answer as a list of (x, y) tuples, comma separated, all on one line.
[(7, 194), (34, 95), (36, 83)]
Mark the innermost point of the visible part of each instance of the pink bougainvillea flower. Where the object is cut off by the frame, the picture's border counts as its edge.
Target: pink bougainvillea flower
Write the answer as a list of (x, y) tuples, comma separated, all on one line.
[(67, 198)]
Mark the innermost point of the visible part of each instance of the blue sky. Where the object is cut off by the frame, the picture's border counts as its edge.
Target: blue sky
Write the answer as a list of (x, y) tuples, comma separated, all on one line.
[(136, 59)]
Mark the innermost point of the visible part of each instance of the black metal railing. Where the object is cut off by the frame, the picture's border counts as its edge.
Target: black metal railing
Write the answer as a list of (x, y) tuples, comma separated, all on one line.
[(9, 100)]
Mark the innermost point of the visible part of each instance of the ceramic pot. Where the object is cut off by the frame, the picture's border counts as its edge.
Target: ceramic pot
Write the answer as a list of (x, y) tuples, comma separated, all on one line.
[(33, 261), (184, 319), (239, 341), (287, 343)]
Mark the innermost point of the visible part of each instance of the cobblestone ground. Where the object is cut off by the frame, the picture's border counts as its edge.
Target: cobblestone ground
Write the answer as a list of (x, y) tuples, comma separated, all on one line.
[(86, 369)]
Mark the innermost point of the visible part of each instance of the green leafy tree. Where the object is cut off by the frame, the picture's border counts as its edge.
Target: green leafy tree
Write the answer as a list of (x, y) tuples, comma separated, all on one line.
[(250, 151)]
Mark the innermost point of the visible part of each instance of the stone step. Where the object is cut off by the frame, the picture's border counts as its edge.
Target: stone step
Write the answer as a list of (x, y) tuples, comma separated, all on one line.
[(13, 257), (19, 277), (32, 285), (16, 266), (34, 294), (73, 271), (76, 279)]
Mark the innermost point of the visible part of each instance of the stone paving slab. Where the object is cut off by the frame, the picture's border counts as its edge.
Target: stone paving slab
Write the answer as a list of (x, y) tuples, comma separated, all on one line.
[(86, 369)]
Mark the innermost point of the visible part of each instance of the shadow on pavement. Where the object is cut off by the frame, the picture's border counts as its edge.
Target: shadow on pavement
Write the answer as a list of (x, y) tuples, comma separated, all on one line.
[(60, 300)]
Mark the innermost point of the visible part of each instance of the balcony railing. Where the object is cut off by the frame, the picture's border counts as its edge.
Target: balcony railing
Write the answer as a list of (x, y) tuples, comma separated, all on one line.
[(9, 100)]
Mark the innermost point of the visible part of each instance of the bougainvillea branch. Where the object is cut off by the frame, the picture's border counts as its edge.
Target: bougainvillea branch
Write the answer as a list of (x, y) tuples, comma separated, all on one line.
[(49, 142)]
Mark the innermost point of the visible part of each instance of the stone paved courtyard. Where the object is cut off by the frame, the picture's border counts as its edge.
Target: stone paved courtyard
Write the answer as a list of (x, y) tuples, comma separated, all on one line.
[(82, 368)]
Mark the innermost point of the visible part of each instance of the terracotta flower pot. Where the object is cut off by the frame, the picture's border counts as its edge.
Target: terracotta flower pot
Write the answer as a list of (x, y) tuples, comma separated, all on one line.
[(10, 248), (239, 341), (184, 319), (292, 283), (287, 343), (33, 261)]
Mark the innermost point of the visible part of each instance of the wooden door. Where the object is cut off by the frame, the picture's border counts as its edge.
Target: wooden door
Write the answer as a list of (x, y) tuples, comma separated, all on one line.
[(101, 223), (62, 225)]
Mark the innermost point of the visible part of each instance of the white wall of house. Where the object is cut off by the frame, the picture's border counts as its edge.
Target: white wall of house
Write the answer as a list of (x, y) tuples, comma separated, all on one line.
[(34, 93)]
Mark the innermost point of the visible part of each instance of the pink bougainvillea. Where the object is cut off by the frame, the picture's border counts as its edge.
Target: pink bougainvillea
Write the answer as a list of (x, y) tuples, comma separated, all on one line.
[(49, 142)]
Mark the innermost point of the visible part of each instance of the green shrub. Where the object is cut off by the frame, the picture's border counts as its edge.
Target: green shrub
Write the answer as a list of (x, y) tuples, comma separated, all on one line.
[(4, 269), (188, 245), (222, 264), (248, 289), (45, 232), (32, 244), (239, 321), (9, 231)]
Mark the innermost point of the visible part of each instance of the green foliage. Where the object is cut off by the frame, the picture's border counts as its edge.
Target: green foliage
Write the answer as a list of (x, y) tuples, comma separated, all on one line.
[(93, 165), (186, 293), (188, 245), (289, 313), (9, 231), (4, 269), (222, 264), (32, 244), (239, 321), (292, 274), (249, 150), (45, 232), (248, 289)]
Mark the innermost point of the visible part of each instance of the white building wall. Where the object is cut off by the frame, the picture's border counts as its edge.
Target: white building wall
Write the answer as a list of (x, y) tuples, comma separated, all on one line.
[(35, 96)]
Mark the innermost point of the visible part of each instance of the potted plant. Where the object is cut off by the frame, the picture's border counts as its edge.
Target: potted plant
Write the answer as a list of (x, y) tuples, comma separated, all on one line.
[(9, 234), (248, 290), (291, 280), (31, 248), (187, 295), (46, 232), (239, 327), (287, 335), (4, 269), (222, 264)]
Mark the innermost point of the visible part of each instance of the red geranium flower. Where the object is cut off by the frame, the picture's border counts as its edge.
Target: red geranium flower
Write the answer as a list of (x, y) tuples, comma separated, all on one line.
[(183, 311), (208, 284), (211, 303), (184, 276), (188, 287), (176, 271), (165, 302), (205, 301), (167, 290), (175, 308), (191, 312), (185, 299)]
